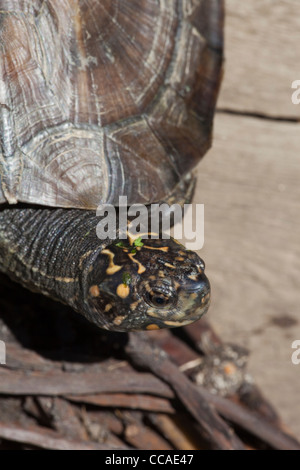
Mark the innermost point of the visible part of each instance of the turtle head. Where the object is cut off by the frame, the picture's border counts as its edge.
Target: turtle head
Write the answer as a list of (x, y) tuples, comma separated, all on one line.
[(147, 284)]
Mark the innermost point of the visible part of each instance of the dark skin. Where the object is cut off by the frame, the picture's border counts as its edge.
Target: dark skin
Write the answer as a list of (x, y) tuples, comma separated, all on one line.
[(119, 285), (158, 284)]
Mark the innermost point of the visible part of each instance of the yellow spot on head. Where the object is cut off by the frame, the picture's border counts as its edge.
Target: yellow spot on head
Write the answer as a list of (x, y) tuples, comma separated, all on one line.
[(142, 268), (193, 277), (152, 327), (123, 291), (172, 323), (177, 323), (161, 273), (107, 307), (112, 267), (170, 265), (161, 248), (179, 258), (118, 320), (152, 314), (94, 291), (134, 305)]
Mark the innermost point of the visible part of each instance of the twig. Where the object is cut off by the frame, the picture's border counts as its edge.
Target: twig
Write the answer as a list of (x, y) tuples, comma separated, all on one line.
[(39, 437), (54, 383), (122, 400)]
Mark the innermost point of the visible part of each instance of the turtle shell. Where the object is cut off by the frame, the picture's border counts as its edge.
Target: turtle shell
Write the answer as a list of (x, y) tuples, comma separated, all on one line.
[(105, 98)]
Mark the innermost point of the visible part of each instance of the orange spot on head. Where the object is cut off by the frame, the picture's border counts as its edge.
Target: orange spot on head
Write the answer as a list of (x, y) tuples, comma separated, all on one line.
[(94, 291), (123, 291), (118, 320), (160, 248), (170, 265), (152, 326)]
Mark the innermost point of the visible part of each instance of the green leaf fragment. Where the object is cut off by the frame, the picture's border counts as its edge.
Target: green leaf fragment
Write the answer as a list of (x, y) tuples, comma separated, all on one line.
[(126, 278), (138, 242)]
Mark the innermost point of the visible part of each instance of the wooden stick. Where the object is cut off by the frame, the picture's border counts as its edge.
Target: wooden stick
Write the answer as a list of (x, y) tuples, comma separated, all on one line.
[(177, 429), (122, 400), (56, 383), (47, 439)]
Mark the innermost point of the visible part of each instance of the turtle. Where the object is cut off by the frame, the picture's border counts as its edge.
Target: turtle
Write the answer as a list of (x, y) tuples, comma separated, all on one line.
[(100, 99)]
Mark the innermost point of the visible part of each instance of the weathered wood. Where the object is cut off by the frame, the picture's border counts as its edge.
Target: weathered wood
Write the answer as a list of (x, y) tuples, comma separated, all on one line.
[(122, 400), (215, 430), (64, 418), (59, 383), (249, 184), (252, 422), (262, 57), (107, 419), (141, 436), (47, 439), (177, 429)]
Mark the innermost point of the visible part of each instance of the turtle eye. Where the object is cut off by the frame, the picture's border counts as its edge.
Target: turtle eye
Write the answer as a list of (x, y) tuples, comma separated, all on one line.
[(157, 299)]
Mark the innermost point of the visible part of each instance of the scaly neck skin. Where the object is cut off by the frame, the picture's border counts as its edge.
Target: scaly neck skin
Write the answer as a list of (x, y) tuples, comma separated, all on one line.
[(49, 250), (120, 287)]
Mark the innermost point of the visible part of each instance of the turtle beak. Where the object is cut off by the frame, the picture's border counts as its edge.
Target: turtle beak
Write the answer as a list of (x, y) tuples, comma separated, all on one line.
[(198, 284), (196, 299)]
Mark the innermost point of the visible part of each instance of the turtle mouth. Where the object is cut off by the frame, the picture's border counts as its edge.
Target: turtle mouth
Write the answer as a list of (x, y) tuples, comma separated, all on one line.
[(191, 314)]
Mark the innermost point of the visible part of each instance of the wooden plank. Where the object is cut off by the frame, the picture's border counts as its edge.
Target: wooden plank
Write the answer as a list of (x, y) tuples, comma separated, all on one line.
[(249, 184), (262, 56)]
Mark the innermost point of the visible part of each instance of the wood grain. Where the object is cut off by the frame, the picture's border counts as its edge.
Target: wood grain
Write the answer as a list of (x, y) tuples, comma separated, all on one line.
[(262, 57)]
